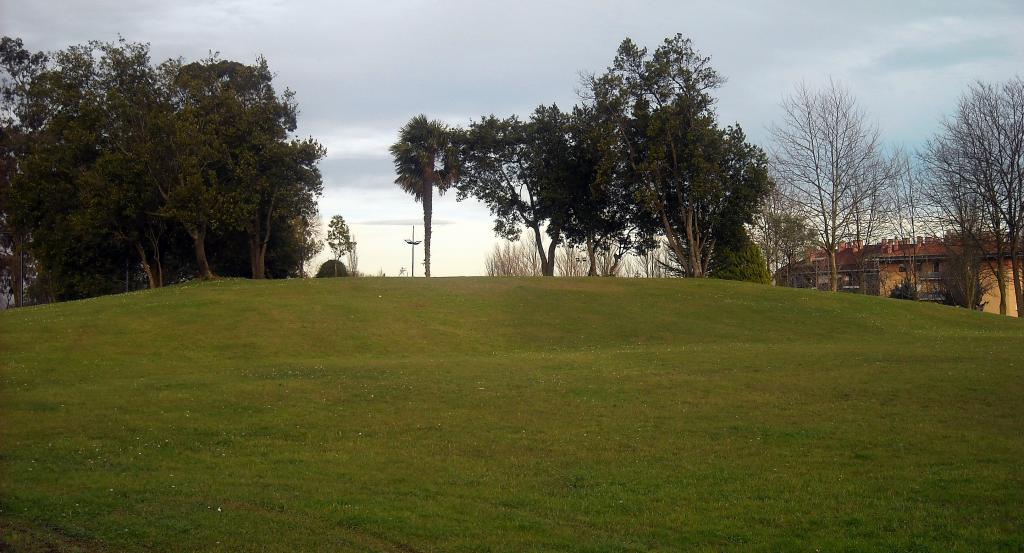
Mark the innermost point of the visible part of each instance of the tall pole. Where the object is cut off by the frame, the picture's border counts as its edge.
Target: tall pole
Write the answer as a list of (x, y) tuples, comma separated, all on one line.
[(412, 261)]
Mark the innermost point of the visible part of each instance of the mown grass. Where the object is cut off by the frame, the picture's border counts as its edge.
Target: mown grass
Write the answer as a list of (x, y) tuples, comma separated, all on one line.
[(477, 414)]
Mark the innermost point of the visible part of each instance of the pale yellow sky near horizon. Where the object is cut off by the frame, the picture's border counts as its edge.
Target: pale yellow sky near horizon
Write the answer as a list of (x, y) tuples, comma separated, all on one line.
[(459, 245)]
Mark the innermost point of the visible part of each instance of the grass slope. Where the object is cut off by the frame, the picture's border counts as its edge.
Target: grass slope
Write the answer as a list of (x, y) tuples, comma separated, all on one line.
[(478, 414)]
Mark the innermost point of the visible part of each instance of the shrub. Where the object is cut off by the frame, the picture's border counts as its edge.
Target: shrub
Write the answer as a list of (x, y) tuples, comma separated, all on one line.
[(905, 291), (331, 268), (743, 263)]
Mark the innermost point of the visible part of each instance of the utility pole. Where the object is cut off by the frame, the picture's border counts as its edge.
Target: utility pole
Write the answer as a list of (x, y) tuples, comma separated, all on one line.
[(413, 242)]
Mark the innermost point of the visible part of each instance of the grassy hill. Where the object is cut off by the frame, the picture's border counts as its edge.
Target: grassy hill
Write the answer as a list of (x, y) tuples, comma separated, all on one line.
[(477, 414)]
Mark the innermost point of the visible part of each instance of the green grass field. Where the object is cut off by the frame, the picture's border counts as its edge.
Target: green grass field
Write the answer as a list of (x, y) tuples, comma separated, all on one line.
[(474, 414)]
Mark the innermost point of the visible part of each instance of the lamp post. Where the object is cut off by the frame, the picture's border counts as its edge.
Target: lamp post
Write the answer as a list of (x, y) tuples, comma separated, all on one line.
[(413, 242)]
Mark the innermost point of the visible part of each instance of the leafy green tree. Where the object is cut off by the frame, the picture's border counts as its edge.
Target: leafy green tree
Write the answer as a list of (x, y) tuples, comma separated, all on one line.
[(425, 157), (287, 185), (521, 170), (123, 182), (118, 161), (603, 216), (53, 196), (232, 164), (700, 183), (741, 262), (306, 237), (268, 175), (18, 66), (339, 239), (198, 193)]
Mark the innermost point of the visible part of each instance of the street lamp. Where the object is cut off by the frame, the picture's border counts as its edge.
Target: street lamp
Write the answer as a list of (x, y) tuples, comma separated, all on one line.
[(413, 242)]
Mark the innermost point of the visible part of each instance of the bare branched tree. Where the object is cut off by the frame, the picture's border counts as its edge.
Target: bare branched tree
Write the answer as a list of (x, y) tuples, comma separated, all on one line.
[(870, 222), (571, 261), (513, 259), (653, 263), (907, 215), (828, 158), (608, 262), (958, 211), (352, 258), (781, 232), (976, 163)]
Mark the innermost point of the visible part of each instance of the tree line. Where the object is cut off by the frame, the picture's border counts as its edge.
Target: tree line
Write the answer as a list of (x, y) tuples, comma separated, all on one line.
[(642, 166), (836, 182), (111, 162), (641, 160)]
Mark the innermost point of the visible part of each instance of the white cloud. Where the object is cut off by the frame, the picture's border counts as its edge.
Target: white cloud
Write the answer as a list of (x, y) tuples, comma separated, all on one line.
[(357, 142)]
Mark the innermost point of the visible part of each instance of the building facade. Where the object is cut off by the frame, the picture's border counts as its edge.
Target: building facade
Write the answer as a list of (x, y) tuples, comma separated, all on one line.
[(933, 268)]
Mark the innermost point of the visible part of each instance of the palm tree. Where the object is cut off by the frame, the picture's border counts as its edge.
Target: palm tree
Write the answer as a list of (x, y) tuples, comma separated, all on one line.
[(425, 157)]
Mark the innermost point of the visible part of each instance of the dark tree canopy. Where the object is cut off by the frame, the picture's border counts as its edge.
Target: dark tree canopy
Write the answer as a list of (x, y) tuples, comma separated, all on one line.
[(332, 268), (642, 157), (519, 170), (700, 183), (125, 165)]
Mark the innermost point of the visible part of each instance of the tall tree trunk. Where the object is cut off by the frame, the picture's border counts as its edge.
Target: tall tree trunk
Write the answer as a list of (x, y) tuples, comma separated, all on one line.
[(973, 270), (673, 240), (257, 257), (591, 255), (154, 242), (143, 258), (552, 252), (833, 272), (614, 269), (19, 273), (1001, 283), (262, 260), (428, 206), (692, 245), (255, 269), (538, 243), (259, 237), (199, 242), (1018, 293)]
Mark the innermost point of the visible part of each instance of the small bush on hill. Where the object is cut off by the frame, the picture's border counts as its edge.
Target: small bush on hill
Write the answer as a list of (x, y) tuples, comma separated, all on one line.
[(905, 291), (741, 263), (332, 268)]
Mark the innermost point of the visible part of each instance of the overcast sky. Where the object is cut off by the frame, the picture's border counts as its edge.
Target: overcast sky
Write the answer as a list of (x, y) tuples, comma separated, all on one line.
[(361, 69)]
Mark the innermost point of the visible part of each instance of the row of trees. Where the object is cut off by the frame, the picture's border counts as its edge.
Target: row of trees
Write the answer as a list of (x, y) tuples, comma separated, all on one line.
[(641, 159), (182, 169), (836, 182)]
